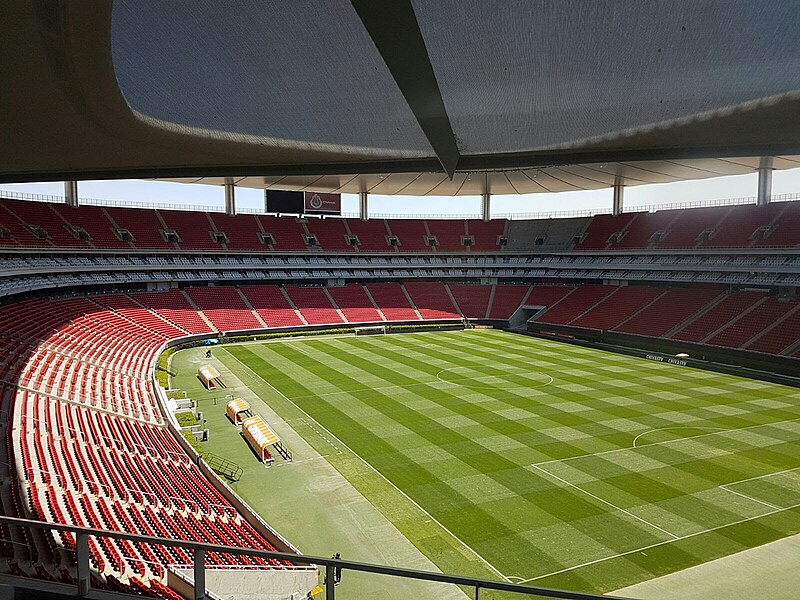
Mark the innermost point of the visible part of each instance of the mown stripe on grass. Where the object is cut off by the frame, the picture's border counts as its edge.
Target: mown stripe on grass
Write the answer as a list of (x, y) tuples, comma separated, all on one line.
[(533, 495), (622, 401)]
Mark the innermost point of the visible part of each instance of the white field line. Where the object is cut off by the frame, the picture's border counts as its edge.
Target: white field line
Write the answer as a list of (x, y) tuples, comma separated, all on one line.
[(301, 349), (727, 489), (657, 544), (381, 475), (683, 439), (776, 509), (599, 499), (636, 439), (294, 339), (762, 476), (367, 389), (489, 387), (726, 486), (322, 435)]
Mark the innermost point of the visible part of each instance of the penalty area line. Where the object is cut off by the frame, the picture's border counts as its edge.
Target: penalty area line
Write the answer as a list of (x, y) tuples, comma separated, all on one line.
[(667, 442), (606, 502), (372, 468), (658, 544)]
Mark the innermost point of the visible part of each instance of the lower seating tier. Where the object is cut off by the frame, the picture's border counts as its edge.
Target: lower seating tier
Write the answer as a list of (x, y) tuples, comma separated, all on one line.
[(86, 441)]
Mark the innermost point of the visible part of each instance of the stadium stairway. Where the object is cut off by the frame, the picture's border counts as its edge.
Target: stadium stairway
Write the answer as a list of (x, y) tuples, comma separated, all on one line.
[(339, 312), (431, 300), (507, 298), (374, 303), (249, 306), (779, 337), (354, 304), (190, 301), (576, 302), (294, 307), (676, 308), (722, 314), (272, 305), (393, 301)]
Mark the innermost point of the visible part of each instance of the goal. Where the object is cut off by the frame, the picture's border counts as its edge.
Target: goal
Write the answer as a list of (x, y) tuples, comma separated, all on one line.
[(372, 330)]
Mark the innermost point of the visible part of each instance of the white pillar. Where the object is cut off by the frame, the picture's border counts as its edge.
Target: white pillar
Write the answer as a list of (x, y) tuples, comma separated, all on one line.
[(71, 193), (486, 199), (363, 205), (230, 197), (764, 180), (619, 191)]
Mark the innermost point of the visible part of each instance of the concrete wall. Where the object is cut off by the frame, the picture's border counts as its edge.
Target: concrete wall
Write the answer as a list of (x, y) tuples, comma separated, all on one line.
[(232, 584)]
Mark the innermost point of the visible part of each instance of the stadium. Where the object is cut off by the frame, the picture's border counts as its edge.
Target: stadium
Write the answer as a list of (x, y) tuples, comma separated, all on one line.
[(295, 402)]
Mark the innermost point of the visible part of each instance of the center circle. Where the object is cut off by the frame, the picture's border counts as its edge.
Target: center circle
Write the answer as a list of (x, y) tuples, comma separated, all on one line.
[(494, 377)]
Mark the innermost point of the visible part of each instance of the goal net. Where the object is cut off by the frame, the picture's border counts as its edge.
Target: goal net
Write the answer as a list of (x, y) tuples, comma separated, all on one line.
[(372, 330)]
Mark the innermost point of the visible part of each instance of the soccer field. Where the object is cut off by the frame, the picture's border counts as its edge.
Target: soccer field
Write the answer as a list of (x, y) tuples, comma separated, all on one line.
[(548, 462)]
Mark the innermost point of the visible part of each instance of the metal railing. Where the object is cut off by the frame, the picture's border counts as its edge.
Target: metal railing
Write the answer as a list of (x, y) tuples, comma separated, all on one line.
[(333, 567), (223, 466), (587, 212), (110, 203)]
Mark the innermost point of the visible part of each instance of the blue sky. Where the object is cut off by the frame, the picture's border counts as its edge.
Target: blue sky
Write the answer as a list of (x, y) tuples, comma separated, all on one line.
[(784, 182)]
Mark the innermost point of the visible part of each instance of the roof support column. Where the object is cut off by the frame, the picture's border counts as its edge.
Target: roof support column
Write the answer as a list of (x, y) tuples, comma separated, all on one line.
[(619, 192), (71, 193), (230, 197), (486, 199), (363, 205), (764, 180)]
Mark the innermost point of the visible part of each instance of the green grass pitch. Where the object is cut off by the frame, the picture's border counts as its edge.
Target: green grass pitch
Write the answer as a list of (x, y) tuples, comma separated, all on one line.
[(544, 462)]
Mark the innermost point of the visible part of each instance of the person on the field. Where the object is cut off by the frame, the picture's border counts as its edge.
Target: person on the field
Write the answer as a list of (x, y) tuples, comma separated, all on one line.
[(337, 571)]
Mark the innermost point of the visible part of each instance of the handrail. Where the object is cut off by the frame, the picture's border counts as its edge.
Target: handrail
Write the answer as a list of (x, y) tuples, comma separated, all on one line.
[(332, 565)]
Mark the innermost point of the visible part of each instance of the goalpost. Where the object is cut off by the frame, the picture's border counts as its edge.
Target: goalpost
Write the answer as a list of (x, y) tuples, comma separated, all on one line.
[(371, 330)]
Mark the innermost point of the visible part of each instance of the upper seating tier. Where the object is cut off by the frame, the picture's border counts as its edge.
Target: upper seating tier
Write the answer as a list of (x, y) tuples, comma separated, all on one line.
[(775, 225)]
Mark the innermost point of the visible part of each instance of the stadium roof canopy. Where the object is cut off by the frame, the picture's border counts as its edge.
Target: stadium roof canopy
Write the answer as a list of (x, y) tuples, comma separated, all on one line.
[(547, 95)]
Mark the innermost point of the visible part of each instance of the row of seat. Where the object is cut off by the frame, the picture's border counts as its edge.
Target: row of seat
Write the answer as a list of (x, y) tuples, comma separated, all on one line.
[(36, 224), (744, 319), (748, 226), (225, 308), (86, 445)]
